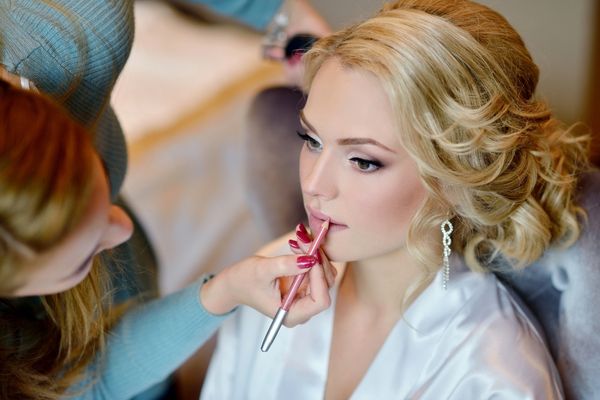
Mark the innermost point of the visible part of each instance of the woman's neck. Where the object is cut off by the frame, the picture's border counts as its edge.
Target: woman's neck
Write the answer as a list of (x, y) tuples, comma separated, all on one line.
[(371, 300), (380, 284)]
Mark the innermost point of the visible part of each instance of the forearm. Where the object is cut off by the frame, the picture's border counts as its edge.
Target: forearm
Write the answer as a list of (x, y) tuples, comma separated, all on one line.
[(256, 13), (153, 340)]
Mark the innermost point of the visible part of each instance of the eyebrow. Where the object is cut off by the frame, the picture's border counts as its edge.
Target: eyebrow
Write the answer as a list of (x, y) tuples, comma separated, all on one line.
[(346, 141)]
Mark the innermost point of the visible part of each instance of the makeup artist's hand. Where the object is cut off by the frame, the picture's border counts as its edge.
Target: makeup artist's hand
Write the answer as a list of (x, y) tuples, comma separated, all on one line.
[(304, 18), (255, 283), (300, 246)]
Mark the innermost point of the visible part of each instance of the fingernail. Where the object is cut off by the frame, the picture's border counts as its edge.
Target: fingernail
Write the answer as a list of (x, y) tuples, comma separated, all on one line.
[(294, 244), (305, 261), (319, 258), (303, 236), (301, 228)]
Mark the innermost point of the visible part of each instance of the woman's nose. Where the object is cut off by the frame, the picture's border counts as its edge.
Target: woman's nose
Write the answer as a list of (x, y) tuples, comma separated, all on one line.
[(318, 176)]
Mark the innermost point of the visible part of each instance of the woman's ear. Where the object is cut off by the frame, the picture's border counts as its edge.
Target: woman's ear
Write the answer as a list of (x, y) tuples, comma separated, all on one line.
[(119, 230)]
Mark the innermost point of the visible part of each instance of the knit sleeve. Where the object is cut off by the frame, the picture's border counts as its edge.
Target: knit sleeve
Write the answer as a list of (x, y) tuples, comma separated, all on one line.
[(256, 13), (150, 342)]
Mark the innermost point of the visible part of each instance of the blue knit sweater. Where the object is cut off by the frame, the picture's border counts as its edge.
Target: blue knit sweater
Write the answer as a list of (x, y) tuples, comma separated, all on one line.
[(148, 344)]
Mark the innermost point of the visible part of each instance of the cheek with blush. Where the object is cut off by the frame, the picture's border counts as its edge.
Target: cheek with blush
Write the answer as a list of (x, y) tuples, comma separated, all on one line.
[(378, 221)]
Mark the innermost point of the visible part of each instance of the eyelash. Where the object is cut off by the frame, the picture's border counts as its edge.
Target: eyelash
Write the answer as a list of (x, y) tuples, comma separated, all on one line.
[(311, 143), (372, 165)]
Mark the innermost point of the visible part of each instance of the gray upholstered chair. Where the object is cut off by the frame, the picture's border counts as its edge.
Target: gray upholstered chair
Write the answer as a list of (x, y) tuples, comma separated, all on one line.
[(271, 160), (562, 289)]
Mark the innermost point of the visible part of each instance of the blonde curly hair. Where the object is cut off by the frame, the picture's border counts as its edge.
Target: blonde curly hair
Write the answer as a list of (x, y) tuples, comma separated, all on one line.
[(461, 83)]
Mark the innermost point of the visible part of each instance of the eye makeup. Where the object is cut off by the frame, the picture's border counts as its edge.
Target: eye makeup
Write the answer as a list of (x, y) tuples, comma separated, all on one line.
[(366, 165), (312, 143), (362, 164)]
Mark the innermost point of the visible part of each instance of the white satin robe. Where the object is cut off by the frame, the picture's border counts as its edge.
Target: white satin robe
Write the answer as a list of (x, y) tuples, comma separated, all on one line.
[(471, 341)]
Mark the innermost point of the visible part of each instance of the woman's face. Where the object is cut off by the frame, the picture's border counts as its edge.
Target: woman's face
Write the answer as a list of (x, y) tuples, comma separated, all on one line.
[(102, 227), (353, 168)]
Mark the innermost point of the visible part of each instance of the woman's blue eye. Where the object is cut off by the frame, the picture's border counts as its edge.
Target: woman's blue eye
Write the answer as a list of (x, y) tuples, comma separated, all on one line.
[(366, 165), (311, 143)]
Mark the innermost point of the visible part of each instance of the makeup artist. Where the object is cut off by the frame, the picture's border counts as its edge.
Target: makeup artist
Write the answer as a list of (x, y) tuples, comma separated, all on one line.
[(60, 333)]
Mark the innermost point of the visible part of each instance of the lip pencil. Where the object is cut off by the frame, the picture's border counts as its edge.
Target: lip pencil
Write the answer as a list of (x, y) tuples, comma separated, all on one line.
[(289, 298)]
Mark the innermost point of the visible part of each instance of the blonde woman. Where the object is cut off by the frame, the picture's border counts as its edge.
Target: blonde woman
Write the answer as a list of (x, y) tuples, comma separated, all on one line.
[(428, 152)]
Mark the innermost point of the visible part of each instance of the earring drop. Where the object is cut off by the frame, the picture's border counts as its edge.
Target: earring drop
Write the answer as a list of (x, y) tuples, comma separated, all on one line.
[(447, 229)]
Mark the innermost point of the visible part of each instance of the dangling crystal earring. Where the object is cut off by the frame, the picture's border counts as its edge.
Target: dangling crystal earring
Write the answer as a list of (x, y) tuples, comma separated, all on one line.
[(447, 229)]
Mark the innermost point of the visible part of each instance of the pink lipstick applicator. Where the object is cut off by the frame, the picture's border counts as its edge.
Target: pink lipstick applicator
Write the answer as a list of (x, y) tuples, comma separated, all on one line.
[(289, 297)]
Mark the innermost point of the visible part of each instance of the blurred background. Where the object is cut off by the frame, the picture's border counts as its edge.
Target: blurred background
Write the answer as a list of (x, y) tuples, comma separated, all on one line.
[(183, 99)]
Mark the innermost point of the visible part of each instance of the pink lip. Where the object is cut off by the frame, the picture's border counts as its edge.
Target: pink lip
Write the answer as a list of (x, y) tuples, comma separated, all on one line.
[(316, 218)]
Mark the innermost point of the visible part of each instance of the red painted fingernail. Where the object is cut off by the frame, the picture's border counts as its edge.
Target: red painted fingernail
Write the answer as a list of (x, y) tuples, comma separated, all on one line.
[(294, 244), (304, 238), (301, 228), (305, 261), (319, 258)]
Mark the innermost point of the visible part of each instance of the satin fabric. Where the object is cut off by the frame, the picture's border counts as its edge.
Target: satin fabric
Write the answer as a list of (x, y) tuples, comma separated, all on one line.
[(472, 341)]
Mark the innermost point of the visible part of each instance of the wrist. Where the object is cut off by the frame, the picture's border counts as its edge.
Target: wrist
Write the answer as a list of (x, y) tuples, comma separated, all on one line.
[(216, 296)]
